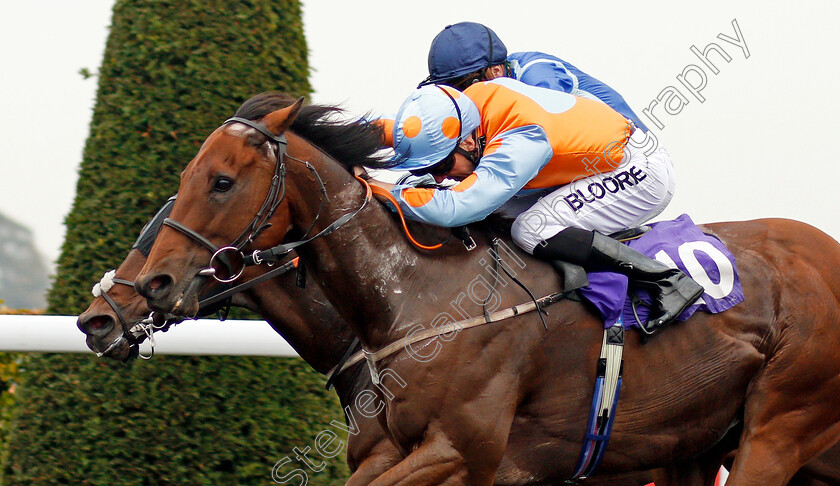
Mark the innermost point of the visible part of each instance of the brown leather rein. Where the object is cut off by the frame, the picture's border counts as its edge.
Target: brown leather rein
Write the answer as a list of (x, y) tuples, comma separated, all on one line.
[(412, 338)]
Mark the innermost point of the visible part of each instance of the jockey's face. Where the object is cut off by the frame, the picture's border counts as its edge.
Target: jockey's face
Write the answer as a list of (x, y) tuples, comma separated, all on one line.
[(463, 167), (486, 74)]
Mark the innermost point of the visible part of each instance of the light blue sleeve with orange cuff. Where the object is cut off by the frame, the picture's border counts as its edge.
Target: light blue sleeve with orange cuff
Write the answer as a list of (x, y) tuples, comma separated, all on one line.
[(519, 155)]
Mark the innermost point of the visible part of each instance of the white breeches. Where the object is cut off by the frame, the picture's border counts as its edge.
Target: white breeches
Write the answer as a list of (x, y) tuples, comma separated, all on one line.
[(637, 191)]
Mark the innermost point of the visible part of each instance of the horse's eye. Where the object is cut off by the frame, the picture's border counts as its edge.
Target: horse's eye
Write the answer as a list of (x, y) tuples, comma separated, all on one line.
[(222, 184)]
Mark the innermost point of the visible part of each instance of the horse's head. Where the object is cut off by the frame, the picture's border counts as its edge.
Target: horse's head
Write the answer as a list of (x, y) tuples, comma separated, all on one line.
[(231, 194), (112, 321), (243, 192), (115, 310)]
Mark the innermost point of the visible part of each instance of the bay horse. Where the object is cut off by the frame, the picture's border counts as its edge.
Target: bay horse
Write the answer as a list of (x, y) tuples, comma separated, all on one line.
[(303, 316), (299, 315), (510, 400)]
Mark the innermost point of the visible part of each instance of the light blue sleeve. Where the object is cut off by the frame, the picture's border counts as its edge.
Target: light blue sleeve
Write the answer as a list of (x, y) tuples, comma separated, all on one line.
[(523, 152), (544, 70), (547, 71)]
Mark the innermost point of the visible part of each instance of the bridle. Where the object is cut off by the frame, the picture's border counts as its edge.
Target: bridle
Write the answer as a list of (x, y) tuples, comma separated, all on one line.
[(234, 252), (101, 290), (227, 255), (276, 194), (147, 326), (131, 334)]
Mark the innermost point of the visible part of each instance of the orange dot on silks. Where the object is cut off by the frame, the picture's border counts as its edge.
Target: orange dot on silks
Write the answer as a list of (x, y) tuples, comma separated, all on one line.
[(411, 126), (451, 127)]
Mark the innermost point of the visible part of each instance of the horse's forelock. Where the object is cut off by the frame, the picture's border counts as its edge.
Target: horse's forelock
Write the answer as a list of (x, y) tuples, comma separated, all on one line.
[(249, 135), (240, 129)]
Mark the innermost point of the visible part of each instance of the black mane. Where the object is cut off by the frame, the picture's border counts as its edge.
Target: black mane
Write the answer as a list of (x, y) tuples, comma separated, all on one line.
[(349, 142)]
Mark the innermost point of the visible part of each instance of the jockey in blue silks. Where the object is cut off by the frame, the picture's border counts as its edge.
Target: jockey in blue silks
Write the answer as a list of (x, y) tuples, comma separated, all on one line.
[(464, 56), (467, 52)]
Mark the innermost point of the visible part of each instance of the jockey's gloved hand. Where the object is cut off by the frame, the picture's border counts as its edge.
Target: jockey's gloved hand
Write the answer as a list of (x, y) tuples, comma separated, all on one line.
[(424, 181), (409, 179)]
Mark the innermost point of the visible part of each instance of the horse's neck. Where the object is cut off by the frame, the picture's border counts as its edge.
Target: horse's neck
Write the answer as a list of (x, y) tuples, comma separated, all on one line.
[(312, 326), (364, 280), (352, 382), (304, 318), (367, 269)]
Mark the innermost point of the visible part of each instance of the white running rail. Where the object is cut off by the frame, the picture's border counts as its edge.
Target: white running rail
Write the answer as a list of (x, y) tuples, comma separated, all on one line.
[(59, 334)]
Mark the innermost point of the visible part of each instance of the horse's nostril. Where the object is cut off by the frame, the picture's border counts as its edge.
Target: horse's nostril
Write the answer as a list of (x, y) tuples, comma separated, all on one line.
[(155, 287), (159, 282), (96, 325)]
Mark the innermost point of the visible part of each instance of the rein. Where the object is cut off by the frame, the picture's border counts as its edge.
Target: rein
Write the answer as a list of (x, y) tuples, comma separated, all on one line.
[(378, 191), (275, 196), (271, 255), (276, 272), (413, 338)]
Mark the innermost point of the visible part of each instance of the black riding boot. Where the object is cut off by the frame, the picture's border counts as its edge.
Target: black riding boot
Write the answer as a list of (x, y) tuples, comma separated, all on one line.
[(672, 290)]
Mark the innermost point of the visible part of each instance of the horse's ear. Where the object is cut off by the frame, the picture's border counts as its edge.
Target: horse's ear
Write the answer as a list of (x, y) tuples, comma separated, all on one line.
[(279, 121)]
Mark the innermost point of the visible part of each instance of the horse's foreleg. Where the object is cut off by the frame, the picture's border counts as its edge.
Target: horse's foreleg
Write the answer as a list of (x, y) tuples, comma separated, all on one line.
[(820, 471), (383, 457), (772, 459), (435, 462), (806, 479), (703, 469)]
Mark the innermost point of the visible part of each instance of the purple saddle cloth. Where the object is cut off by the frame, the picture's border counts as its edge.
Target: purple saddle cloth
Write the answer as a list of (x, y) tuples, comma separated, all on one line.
[(678, 244)]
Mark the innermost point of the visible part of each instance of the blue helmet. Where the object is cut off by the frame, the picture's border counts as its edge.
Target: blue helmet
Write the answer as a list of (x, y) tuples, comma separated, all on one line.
[(431, 122), (463, 48)]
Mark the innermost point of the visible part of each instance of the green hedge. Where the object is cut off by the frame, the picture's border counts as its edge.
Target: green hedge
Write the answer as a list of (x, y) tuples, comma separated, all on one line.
[(9, 365), (172, 72), (175, 420)]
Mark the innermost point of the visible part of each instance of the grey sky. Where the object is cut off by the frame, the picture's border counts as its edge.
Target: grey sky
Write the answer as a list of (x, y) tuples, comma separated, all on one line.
[(758, 146)]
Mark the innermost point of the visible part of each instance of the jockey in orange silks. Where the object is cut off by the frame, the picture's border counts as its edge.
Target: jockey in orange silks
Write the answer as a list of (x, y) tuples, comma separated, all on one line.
[(559, 164)]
